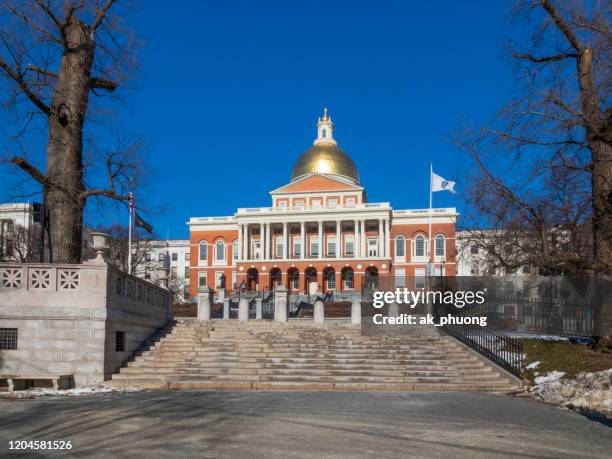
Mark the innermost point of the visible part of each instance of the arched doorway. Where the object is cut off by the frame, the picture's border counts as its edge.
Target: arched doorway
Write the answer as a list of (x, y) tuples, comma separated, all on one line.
[(293, 279), (276, 278), (348, 279), (329, 279), (371, 278), (310, 276), (252, 279)]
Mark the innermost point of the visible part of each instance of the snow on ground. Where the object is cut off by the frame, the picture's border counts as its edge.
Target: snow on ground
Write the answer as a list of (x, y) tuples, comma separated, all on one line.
[(90, 390), (588, 391), (533, 365)]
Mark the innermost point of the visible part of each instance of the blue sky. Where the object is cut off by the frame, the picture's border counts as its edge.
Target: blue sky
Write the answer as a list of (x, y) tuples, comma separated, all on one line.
[(229, 92)]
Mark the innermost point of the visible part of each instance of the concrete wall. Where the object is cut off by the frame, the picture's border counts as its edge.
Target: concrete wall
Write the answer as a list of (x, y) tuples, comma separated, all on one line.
[(67, 315)]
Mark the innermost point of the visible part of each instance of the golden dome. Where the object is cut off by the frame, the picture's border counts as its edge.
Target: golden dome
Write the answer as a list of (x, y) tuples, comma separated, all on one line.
[(325, 158)]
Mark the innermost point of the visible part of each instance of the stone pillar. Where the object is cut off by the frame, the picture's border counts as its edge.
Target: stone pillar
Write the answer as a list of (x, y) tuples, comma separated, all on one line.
[(381, 242), (262, 241), (226, 308), (285, 251), (363, 239), (387, 239), (338, 239), (162, 276), (204, 303), (393, 310), (356, 313), (321, 239), (243, 310), (319, 312), (303, 239), (239, 242), (280, 304), (267, 243), (356, 242), (258, 308), (221, 295)]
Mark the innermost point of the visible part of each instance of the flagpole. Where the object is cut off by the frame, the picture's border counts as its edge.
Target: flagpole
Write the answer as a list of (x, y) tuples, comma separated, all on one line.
[(430, 210), (131, 209)]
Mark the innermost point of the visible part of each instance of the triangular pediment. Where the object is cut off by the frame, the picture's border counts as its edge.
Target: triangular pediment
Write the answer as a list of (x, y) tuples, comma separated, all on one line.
[(316, 183)]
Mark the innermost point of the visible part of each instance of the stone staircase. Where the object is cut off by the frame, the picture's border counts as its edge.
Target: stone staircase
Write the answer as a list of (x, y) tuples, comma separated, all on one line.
[(299, 355)]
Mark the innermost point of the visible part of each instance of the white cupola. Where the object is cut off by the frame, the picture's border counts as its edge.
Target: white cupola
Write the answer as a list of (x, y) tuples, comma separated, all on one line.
[(325, 129)]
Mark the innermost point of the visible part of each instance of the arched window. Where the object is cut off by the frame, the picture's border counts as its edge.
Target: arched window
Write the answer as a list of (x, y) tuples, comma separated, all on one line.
[(419, 246), (400, 247), (203, 252), (235, 249), (220, 251), (440, 245)]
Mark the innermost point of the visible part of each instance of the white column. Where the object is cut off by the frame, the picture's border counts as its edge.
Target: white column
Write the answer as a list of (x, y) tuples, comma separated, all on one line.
[(285, 241), (320, 239), (240, 242), (267, 252), (387, 239), (303, 239), (356, 242), (262, 241), (338, 239), (381, 240), (247, 248), (363, 239)]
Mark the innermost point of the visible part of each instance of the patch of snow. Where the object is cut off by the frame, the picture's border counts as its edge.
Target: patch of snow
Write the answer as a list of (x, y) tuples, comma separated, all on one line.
[(549, 377), (533, 365), (588, 391), (89, 390)]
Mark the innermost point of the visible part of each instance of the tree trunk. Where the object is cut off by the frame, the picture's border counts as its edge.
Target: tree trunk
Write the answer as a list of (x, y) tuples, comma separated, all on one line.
[(64, 167), (601, 181)]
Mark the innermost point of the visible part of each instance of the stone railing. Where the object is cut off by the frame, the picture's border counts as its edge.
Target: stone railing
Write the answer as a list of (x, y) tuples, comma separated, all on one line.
[(48, 279), (322, 207)]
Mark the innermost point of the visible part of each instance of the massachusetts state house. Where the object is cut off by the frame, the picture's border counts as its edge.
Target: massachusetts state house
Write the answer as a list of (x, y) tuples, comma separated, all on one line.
[(320, 232)]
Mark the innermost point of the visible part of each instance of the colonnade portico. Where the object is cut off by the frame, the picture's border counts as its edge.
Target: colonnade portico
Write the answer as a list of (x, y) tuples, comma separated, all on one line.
[(306, 239)]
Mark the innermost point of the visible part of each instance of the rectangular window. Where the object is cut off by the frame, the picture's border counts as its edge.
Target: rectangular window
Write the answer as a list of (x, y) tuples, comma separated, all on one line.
[(400, 278), (371, 227), (120, 341), (161, 257), (186, 272), (220, 251), (234, 279), (332, 202), (279, 247), (316, 202), (147, 275), (8, 339), (314, 246), (202, 280), (174, 256), (372, 247), (331, 246), (419, 278), (297, 248), (349, 246), (350, 202), (173, 272), (148, 256), (186, 256), (257, 250)]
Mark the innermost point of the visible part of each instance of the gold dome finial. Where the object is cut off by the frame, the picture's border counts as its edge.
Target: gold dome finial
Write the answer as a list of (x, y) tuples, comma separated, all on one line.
[(325, 157)]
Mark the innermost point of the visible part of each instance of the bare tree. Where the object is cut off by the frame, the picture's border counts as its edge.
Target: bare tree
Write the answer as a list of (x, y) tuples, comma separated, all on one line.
[(142, 244), (55, 54), (543, 179), (20, 244)]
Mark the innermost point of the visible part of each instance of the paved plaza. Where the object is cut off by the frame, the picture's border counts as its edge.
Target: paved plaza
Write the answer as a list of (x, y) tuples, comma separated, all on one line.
[(303, 424)]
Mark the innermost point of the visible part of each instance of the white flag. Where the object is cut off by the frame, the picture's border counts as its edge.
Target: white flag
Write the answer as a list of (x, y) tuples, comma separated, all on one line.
[(441, 184)]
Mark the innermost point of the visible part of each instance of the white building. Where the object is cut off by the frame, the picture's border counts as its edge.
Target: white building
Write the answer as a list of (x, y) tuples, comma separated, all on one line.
[(172, 254), (17, 222)]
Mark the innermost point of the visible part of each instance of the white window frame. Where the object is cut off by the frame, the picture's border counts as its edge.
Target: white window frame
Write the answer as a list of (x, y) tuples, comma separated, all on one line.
[(331, 240), (372, 247), (400, 256), (331, 287), (217, 260), (419, 278), (349, 240), (278, 244), (350, 202), (297, 243), (314, 240), (443, 255), (415, 257), (202, 262), (400, 277)]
